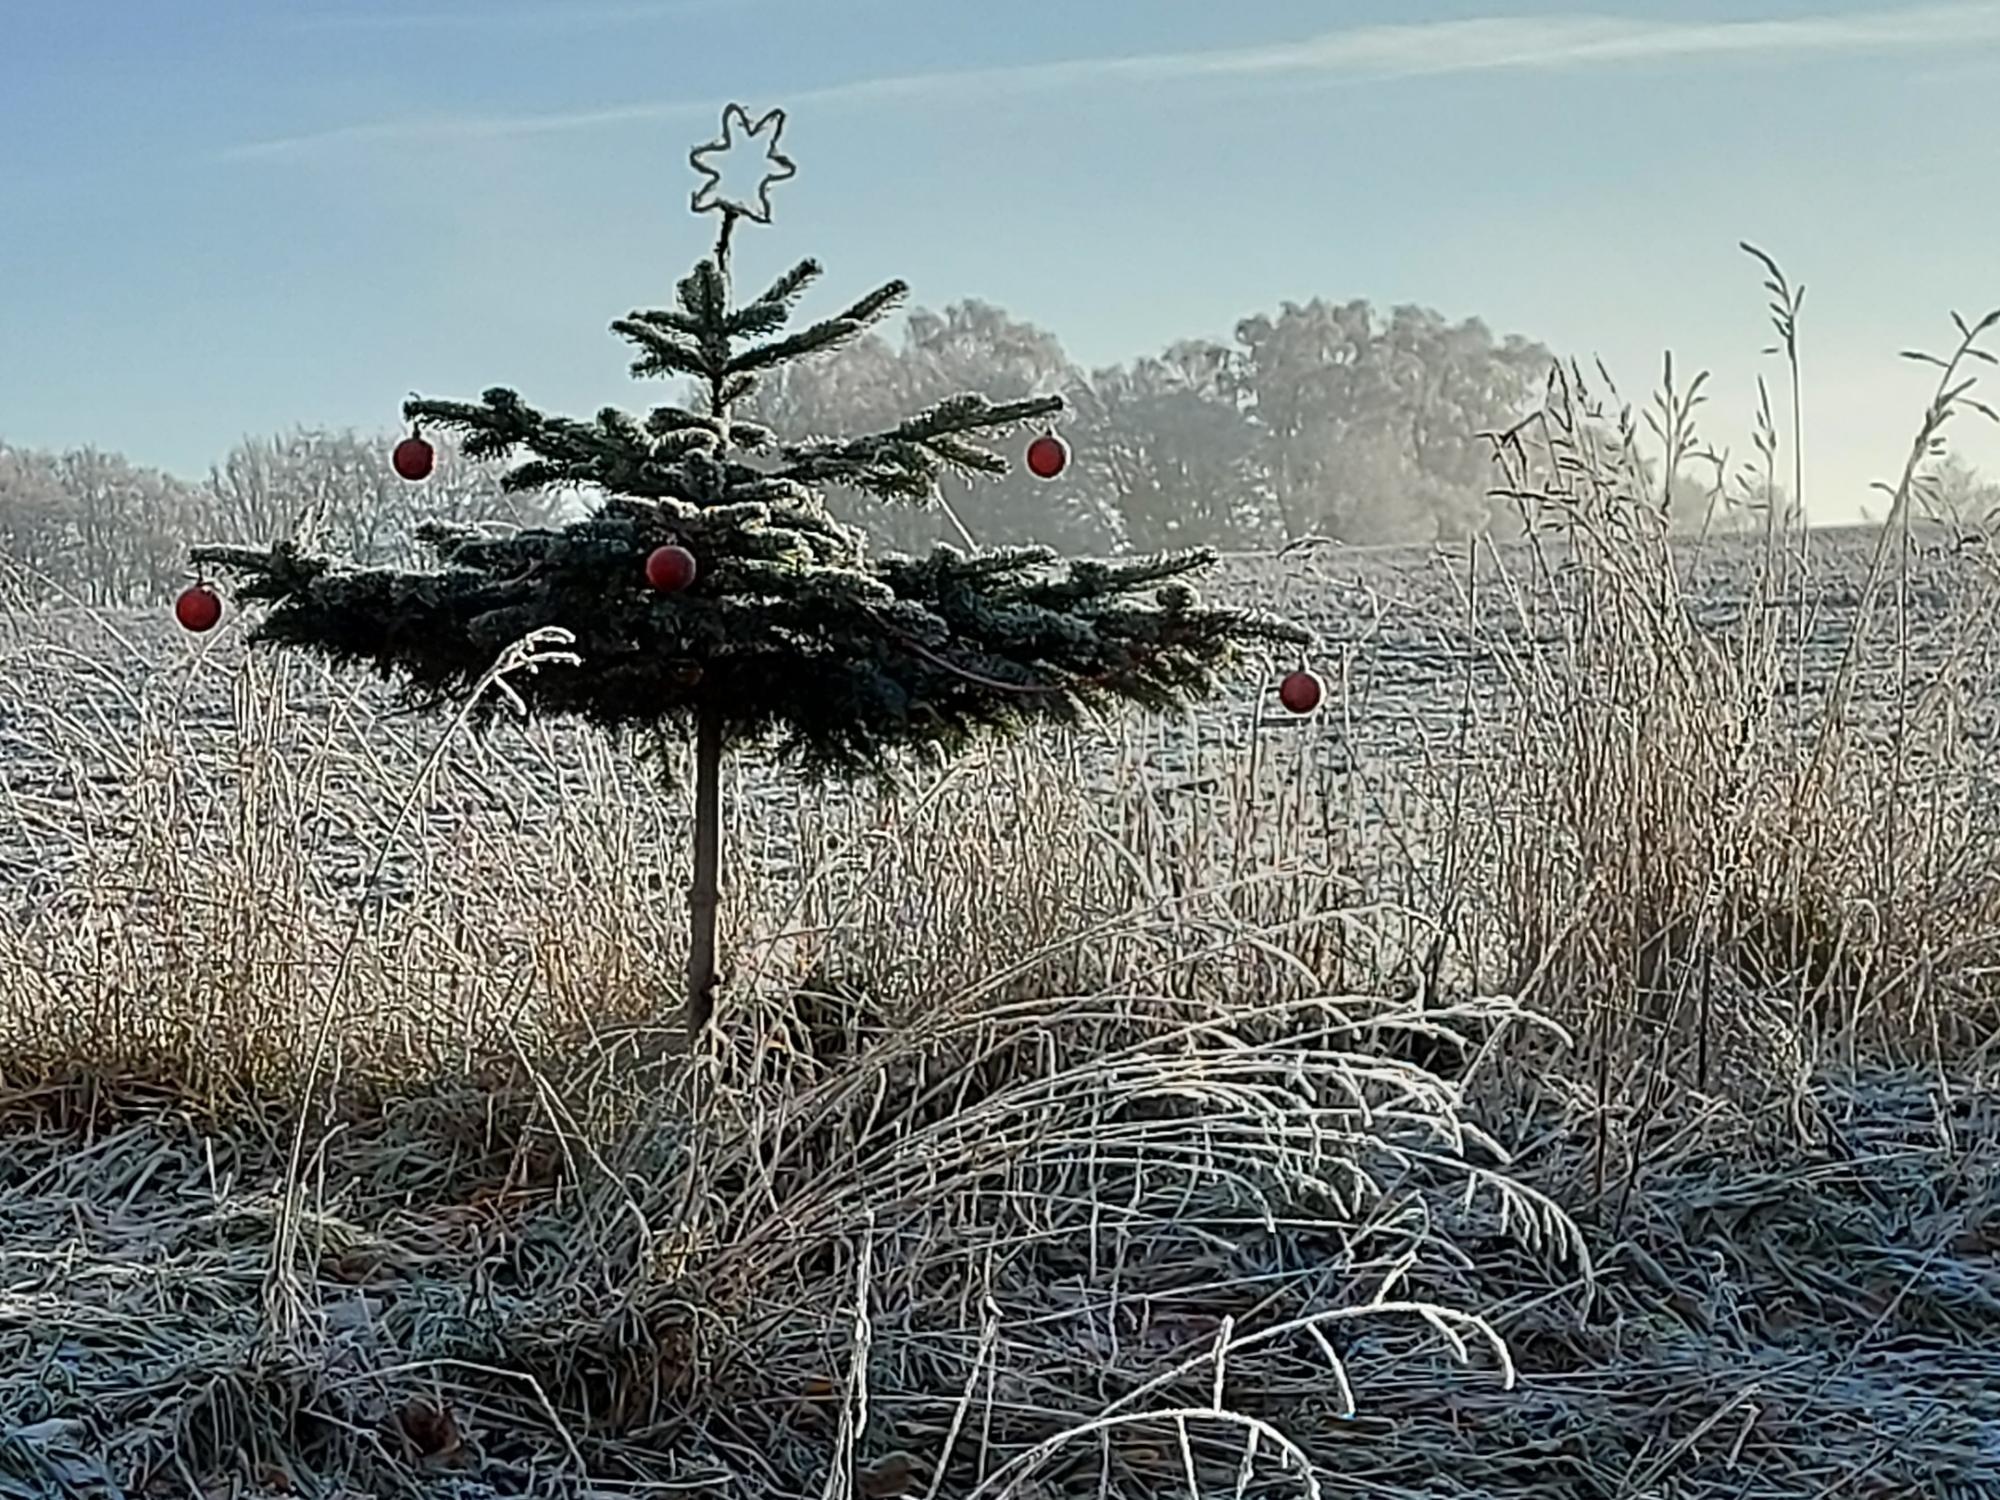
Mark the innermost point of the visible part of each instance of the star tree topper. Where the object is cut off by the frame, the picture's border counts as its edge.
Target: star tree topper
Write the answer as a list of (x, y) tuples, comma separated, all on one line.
[(778, 166)]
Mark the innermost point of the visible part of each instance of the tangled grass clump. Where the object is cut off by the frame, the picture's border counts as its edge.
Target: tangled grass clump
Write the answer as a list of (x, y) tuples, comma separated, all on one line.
[(925, 1260)]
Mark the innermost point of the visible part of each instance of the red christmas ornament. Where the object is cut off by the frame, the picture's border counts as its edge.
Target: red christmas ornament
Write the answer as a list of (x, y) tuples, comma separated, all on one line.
[(1299, 692), (198, 608), (1048, 455), (670, 568), (413, 458)]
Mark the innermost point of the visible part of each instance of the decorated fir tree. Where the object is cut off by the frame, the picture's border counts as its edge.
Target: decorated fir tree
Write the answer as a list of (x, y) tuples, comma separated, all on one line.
[(709, 592)]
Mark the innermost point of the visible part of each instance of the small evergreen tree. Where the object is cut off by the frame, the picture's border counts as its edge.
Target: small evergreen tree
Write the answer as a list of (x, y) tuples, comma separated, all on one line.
[(785, 630)]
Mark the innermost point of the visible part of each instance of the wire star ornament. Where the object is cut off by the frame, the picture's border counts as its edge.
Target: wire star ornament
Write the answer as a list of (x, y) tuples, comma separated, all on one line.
[(778, 166)]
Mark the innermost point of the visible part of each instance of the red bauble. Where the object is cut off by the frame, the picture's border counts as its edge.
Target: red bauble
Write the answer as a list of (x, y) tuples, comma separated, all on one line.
[(198, 608), (1299, 692), (1048, 455), (670, 568), (413, 459)]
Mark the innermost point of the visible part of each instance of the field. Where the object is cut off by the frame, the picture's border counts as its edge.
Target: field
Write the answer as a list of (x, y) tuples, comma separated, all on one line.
[(1564, 1066)]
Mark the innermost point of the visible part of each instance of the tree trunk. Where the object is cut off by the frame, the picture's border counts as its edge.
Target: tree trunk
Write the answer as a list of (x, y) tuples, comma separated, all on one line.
[(706, 896)]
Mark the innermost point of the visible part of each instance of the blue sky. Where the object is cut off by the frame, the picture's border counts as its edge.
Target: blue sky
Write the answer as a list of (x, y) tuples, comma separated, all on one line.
[(220, 217)]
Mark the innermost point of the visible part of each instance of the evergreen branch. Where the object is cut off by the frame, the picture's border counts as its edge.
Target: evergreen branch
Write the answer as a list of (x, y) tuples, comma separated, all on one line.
[(1093, 578), (945, 566), (614, 453), (662, 420), (818, 339), (969, 457), (979, 679), (755, 319), (788, 288), (704, 296), (668, 320), (889, 471), (771, 490), (538, 474), (739, 432), (662, 353), (273, 573), (687, 440), (491, 429), (619, 428), (904, 462), (769, 312), (974, 413), (879, 303)]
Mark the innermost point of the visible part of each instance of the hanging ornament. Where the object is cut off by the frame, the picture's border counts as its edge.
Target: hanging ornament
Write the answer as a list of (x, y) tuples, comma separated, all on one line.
[(670, 568), (1048, 456), (1299, 692), (413, 458), (198, 608)]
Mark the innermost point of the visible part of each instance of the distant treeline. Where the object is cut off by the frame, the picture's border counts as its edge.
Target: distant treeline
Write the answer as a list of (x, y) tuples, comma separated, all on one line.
[(88, 527), (1325, 419)]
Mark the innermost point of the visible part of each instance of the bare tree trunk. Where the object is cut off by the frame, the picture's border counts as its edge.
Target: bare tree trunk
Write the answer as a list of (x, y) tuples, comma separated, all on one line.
[(706, 897)]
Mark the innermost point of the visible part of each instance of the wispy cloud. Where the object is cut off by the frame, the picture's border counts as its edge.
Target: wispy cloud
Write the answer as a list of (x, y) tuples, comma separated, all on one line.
[(1400, 50)]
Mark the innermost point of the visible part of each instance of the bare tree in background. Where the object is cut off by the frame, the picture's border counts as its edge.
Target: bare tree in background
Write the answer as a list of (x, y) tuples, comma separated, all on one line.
[(338, 487), (89, 527), (36, 524), (1324, 419), (1370, 427), (1176, 454), (255, 490), (128, 526)]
